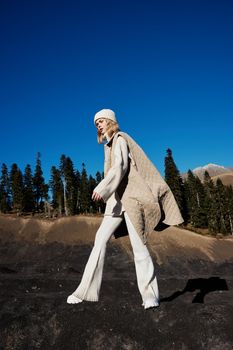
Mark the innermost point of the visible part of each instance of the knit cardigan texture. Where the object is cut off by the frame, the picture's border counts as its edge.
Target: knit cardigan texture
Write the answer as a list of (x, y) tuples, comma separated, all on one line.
[(145, 195)]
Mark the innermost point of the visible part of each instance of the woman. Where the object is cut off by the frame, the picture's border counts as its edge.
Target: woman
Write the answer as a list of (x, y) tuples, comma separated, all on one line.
[(136, 195)]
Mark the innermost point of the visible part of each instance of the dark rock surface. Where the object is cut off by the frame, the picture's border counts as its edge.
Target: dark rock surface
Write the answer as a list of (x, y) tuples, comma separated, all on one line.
[(196, 309)]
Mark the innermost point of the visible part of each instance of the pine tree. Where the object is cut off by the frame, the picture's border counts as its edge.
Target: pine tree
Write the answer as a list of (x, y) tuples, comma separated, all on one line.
[(62, 172), (91, 186), (28, 198), (100, 205), (222, 210), (38, 183), (98, 178), (5, 204), (56, 186), (174, 181), (190, 193), (71, 187), (17, 188), (210, 203), (46, 204), (69, 181), (196, 201), (84, 191), (201, 203), (229, 208), (78, 186), (186, 200)]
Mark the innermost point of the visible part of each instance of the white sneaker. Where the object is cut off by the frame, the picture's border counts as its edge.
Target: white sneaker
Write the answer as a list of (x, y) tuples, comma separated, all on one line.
[(149, 303), (72, 299)]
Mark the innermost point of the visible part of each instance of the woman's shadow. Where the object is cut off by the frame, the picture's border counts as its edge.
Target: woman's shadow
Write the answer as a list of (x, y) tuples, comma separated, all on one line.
[(202, 285)]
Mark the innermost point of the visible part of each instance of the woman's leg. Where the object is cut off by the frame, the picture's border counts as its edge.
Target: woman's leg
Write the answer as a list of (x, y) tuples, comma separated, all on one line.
[(89, 286), (146, 279)]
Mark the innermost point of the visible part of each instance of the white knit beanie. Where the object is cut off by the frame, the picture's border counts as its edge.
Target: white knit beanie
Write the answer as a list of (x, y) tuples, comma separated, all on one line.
[(105, 114)]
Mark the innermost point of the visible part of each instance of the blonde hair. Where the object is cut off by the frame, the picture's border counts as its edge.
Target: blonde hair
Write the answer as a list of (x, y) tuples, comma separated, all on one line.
[(112, 128)]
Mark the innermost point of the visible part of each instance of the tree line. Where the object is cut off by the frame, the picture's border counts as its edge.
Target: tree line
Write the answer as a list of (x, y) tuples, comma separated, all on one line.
[(68, 191), (203, 204)]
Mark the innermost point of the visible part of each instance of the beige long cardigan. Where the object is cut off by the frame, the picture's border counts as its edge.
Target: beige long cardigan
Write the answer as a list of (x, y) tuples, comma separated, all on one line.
[(145, 195)]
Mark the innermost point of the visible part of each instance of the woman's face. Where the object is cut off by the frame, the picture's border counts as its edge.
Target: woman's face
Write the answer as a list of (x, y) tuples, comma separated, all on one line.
[(101, 125)]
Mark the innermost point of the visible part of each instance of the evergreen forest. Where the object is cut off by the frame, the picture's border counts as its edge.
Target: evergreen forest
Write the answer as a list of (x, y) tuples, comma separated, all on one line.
[(203, 204)]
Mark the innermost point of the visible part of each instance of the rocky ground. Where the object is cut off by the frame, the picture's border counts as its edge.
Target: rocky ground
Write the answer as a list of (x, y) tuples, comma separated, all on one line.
[(38, 272)]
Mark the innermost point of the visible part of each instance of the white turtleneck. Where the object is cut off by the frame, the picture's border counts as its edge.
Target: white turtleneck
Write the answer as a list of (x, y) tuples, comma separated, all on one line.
[(108, 186)]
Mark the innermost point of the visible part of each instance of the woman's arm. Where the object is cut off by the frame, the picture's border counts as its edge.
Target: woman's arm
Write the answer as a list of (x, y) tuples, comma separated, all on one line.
[(115, 174)]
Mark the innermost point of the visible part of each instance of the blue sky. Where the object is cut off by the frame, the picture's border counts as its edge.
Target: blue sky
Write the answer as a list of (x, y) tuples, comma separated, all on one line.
[(164, 67)]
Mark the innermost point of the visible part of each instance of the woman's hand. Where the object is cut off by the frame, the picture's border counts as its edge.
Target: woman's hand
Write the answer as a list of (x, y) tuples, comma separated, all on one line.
[(96, 197)]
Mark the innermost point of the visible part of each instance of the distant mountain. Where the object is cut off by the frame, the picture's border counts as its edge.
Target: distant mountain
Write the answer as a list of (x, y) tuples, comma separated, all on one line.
[(215, 171), (227, 179)]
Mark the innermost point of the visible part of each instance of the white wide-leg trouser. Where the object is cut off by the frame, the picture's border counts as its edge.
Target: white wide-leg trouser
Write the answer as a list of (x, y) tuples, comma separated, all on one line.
[(90, 284)]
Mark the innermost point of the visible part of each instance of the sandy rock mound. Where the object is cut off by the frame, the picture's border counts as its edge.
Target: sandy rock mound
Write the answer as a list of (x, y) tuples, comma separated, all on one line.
[(172, 242)]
